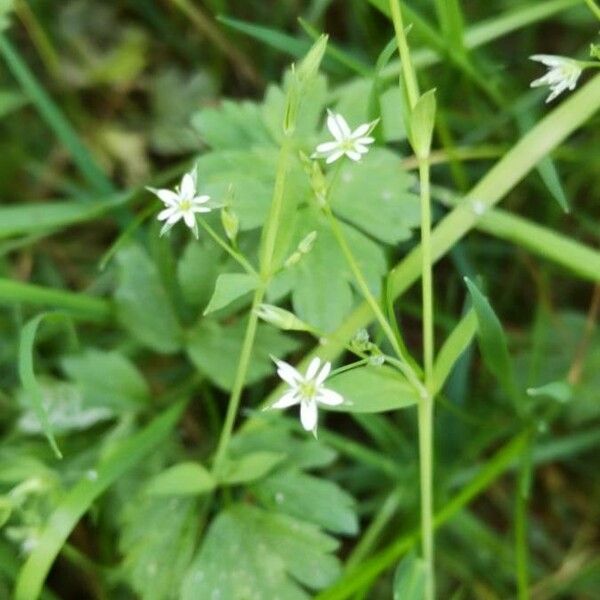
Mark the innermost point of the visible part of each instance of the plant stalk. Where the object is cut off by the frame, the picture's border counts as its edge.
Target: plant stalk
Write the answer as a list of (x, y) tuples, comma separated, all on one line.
[(425, 411)]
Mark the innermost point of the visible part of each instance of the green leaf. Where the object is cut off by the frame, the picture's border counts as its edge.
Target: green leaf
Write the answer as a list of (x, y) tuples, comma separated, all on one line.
[(492, 340), (197, 271), (309, 498), (28, 378), (230, 287), (250, 467), (10, 100), (182, 479), (232, 126), (372, 389), (44, 216), (561, 391), (143, 306), (251, 554), (374, 195), (303, 452), (456, 343), (107, 379), (158, 540), (422, 123), (409, 579), (215, 349), (79, 499)]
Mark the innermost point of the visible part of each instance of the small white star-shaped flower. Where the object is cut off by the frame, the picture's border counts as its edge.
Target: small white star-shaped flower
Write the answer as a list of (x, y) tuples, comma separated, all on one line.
[(181, 203), (353, 144), (562, 74), (307, 390)]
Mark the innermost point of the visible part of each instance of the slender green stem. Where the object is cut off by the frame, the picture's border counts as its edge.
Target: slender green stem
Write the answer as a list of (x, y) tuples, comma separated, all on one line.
[(522, 496), (593, 7), (410, 79), (404, 364), (238, 257), (240, 379)]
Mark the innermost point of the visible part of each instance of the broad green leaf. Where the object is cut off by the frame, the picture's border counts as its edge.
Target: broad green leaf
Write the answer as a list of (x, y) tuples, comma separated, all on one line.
[(456, 343), (230, 287), (422, 123), (250, 467), (561, 391), (372, 389), (157, 541), (409, 579), (78, 500), (492, 340), (232, 126), (374, 195), (303, 452), (309, 498), (107, 379), (197, 271), (143, 306), (182, 479), (215, 350), (65, 407), (251, 554)]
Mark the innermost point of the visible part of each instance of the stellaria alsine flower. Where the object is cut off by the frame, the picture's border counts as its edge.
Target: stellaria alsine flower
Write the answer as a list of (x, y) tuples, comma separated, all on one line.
[(563, 73), (352, 144), (307, 390), (181, 203)]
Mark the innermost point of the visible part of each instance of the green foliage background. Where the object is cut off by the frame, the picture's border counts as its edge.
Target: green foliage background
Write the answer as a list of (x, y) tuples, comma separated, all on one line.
[(98, 100)]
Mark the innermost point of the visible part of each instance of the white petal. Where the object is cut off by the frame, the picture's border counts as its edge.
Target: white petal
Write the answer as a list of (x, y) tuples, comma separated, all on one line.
[(189, 218), (327, 147), (330, 398), (360, 148), (174, 217), (288, 373), (200, 209), (365, 140), (288, 399), (200, 199), (343, 126), (333, 127), (308, 415), (322, 376), (550, 60), (165, 228), (169, 197), (540, 81), (166, 213), (315, 363), (188, 187), (355, 156), (333, 157), (361, 130)]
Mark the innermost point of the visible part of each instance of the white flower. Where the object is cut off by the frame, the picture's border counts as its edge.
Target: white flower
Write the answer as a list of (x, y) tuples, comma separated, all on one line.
[(183, 203), (353, 144), (307, 390), (562, 74)]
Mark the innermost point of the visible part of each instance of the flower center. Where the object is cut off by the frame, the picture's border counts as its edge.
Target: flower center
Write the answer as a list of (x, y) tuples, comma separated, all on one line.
[(307, 389), (185, 204)]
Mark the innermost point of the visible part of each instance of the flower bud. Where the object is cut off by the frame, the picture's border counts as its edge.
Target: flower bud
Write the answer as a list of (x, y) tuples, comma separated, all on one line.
[(281, 318)]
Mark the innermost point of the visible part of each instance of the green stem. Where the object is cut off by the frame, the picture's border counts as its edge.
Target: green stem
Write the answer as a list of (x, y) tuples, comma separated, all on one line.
[(404, 364), (410, 79), (521, 547), (592, 6), (240, 379), (239, 258), (267, 250)]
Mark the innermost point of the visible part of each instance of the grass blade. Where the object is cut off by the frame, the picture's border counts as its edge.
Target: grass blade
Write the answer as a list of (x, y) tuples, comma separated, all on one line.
[(56, 120)]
